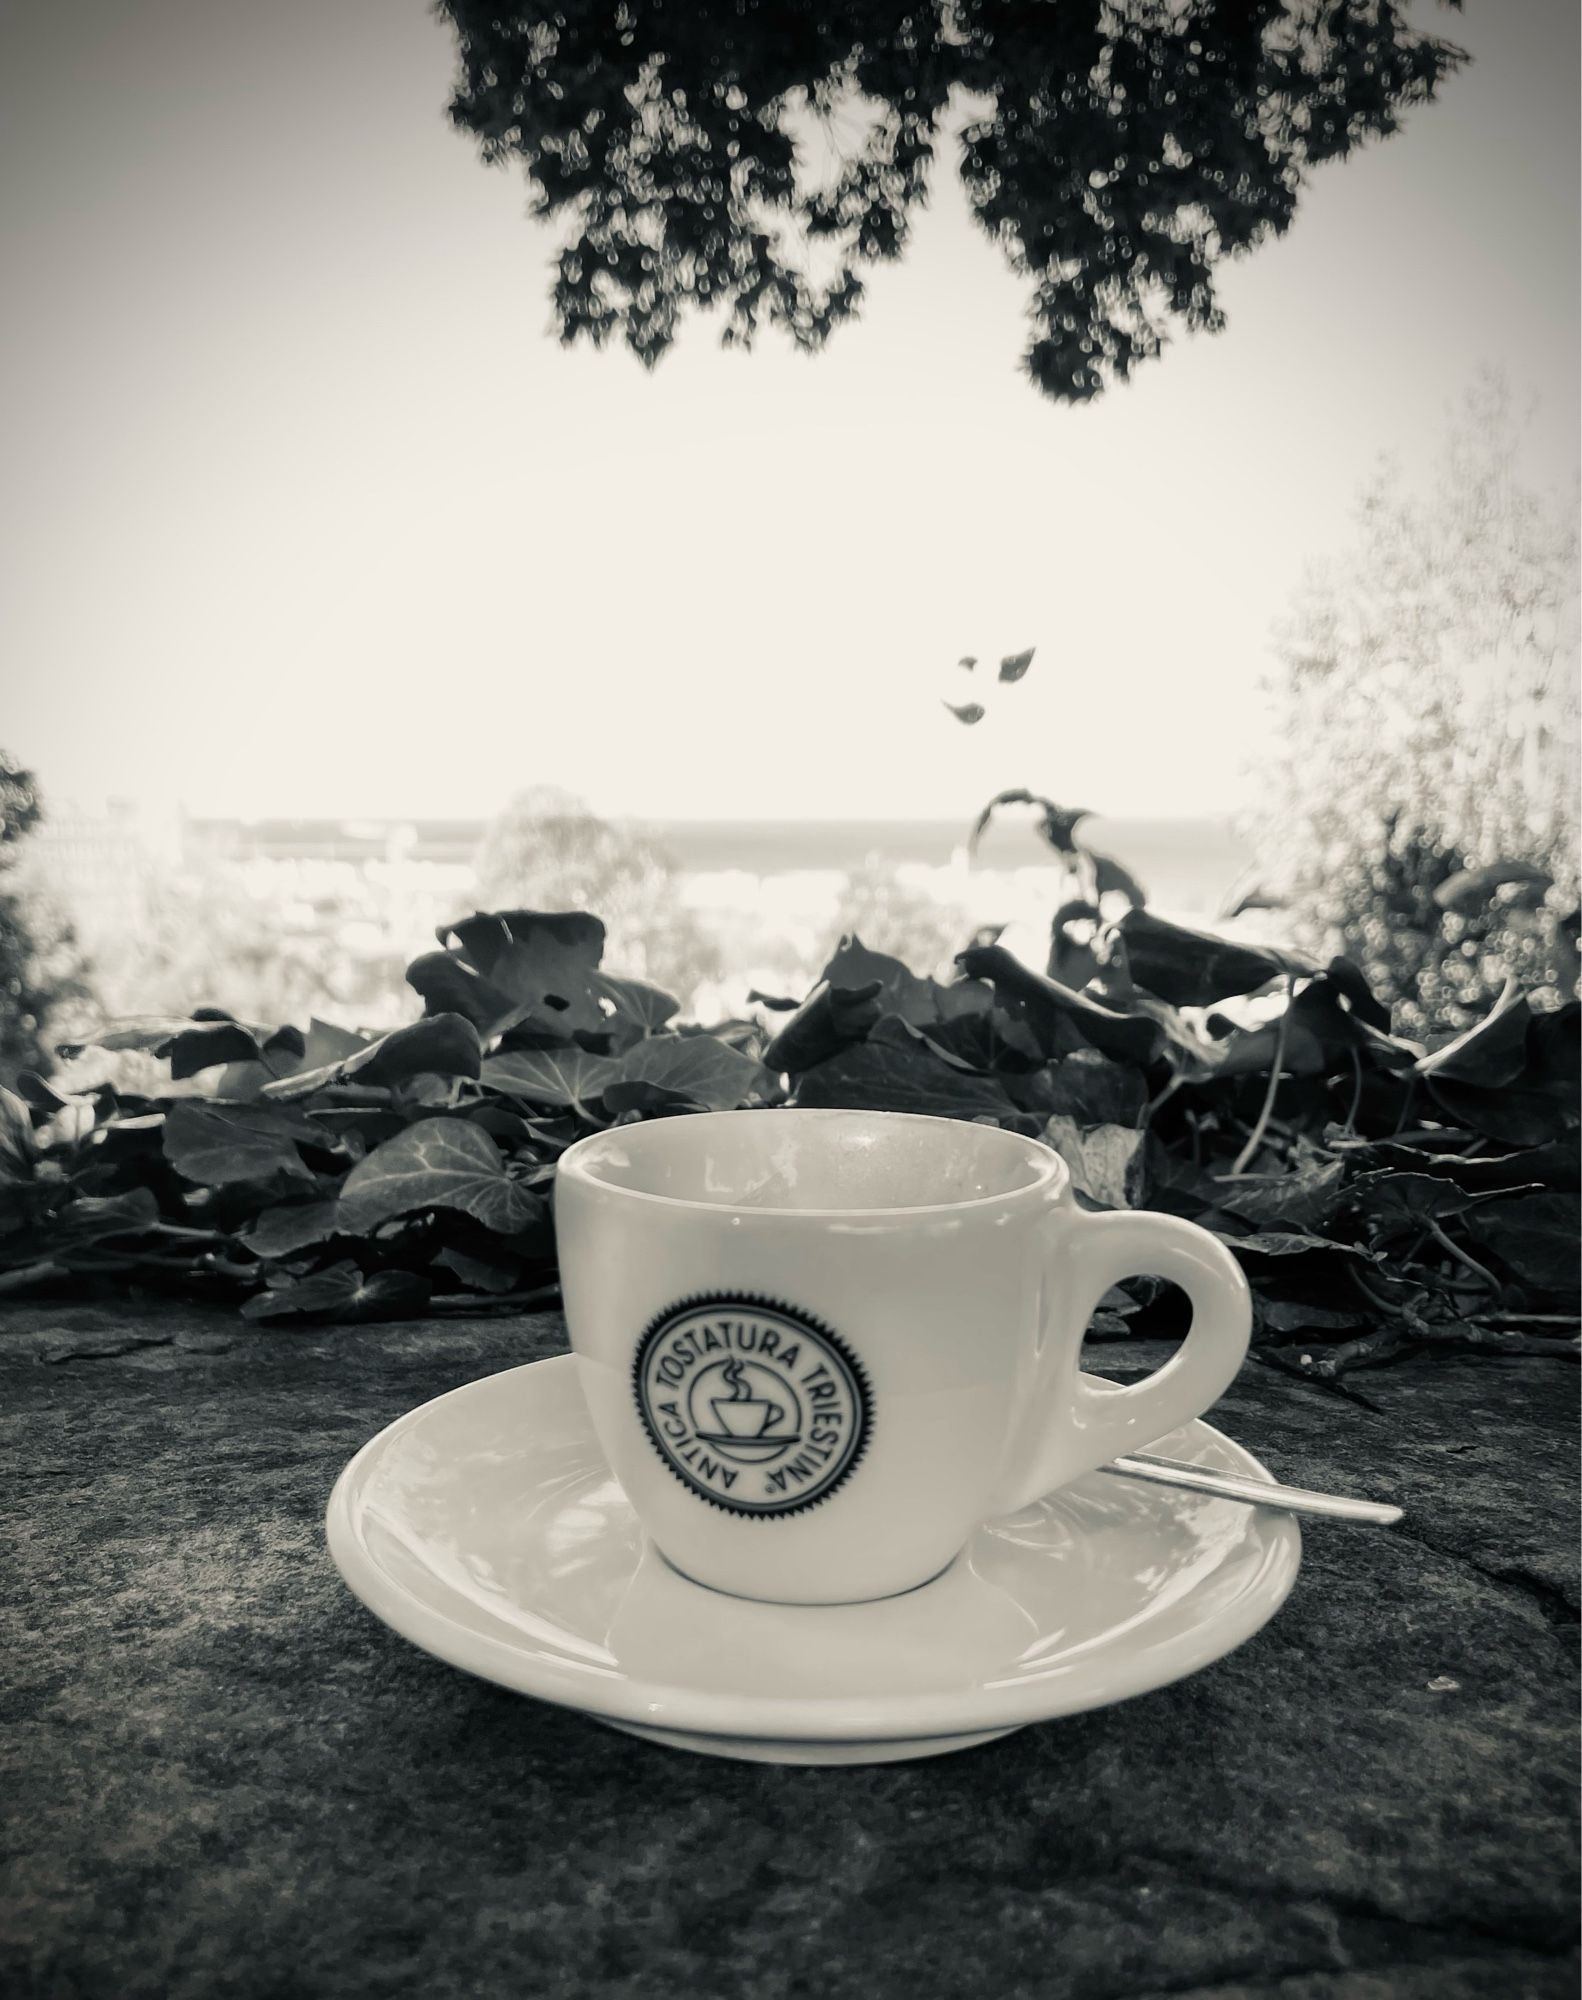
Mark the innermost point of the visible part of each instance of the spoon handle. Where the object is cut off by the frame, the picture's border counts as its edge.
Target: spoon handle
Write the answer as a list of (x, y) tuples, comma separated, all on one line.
[(1259, 1492)]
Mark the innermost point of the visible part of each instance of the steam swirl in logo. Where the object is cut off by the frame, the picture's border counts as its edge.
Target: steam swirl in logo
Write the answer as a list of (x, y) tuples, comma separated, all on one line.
[(757, 1407)]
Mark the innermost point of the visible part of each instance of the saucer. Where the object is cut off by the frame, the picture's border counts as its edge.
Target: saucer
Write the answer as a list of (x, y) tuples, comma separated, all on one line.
[(487, 1528)]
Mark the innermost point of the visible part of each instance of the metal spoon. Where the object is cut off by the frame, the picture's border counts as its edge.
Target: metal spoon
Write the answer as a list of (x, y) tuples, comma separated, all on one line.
[(1259, 1492)]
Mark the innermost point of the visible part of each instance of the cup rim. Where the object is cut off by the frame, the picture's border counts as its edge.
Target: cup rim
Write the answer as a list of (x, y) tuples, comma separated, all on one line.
[(1050, 1171)]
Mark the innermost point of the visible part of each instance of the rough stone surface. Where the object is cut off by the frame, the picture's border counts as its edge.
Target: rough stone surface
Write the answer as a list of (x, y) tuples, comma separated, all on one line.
[(222, 1777)]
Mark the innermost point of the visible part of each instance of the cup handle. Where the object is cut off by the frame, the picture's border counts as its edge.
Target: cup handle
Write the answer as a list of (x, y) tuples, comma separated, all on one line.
[(1100, 1421)]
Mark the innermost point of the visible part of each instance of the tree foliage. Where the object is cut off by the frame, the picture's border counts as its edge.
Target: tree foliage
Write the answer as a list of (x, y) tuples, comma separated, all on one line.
[(757, 155), (38, 960), (1420, 807), (546, 850)]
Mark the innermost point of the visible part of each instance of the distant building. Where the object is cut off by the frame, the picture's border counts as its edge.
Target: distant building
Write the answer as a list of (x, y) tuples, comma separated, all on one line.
[(449, 843)]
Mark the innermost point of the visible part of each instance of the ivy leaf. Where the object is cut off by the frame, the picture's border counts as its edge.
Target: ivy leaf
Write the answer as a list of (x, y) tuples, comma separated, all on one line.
[(1490, 1053), (1015, 665), (1064, 1020), (90, 1218), (935, 1039), (543, 962), (1554, 1049), (1111, 879), (1302, 1199), (568, 1076), (646, 1100), (634, 1002), (297, 1225), (1092, 1090), (18, 1148), (1319, 1036), (449, 986), (990, 1039), (1056, 824), (1535, 1238), (215, 1144), (511, 1131), (1554, 1165), (1296, 1316), (1408, 1201), (344, 1294), (1514, 1114), (147, 1034), (208, 1044), (854, 968), (1073, 937), (1348, 978), (480, 1273), (437, 1163), (829, 1018), (1284, 1243), (1193, 969), (438, 1045), (323, 1045), (576, 937), (1105, 1161), (700, 1067), (328, 1042), (205, 1039)]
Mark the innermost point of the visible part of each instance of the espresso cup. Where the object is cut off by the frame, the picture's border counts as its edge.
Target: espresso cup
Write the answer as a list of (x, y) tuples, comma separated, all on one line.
[(820, 1348)]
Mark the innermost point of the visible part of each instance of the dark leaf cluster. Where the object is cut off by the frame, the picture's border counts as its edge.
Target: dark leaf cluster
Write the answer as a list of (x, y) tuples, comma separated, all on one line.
[(331, 1175), (757, 156), (1382, 1195)]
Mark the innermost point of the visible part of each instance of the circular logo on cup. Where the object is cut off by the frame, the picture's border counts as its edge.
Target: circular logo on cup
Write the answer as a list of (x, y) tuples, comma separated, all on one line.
[(757, 1407)]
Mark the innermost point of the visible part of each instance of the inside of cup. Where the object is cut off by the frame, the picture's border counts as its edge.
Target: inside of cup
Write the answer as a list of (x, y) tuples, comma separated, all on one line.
[(816, 1160)]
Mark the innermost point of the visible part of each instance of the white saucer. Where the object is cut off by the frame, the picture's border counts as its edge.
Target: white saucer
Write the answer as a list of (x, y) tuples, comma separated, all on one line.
[(486, 1528)]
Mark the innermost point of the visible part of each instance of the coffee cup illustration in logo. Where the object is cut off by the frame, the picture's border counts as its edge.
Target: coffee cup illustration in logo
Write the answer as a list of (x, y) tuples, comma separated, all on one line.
[(747, 1422), (757, 1407)]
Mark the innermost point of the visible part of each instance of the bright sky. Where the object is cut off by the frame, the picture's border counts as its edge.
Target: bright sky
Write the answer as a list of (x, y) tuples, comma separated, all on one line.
[(303, 511)]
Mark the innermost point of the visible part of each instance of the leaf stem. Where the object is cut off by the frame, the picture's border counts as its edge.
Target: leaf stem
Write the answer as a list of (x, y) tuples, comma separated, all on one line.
[(1282, 1035), (1367, 1291), (1356, 1094), (24, 1275), (1464, 1256)]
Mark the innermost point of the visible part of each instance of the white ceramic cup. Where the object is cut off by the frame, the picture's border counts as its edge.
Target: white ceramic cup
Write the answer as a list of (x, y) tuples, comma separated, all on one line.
[(820, 1348)]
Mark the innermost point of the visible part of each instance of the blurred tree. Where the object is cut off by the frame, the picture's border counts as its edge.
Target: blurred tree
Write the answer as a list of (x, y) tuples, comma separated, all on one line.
[(547, 851), (39, 965), (757, 154), (1420, 807), (205, 938), (890, 916)]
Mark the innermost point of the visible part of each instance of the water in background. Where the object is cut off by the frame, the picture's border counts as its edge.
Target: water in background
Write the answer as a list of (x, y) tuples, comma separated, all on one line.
[(1186, 865)]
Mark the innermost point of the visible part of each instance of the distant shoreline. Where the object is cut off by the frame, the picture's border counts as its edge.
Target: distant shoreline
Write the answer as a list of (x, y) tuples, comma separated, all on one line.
[(932, 840), (1183, 862)]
